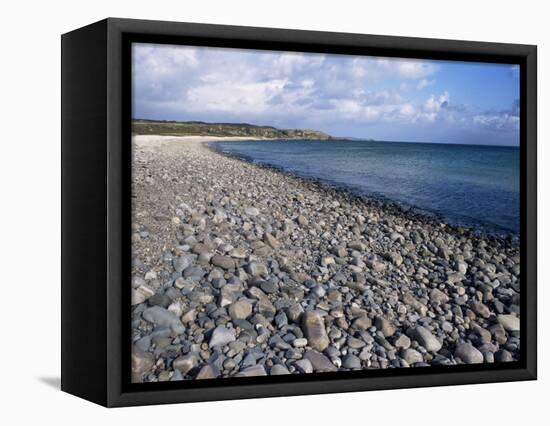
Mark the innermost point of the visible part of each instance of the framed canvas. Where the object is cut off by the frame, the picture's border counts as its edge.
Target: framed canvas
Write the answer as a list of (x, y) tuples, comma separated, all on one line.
[(254, 212)]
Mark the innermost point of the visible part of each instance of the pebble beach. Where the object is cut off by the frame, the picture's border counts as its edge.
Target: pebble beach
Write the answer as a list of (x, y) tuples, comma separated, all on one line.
[(242, 270)]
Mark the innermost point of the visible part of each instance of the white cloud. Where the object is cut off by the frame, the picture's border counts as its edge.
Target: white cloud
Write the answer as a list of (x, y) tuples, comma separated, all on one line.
[(422, 84), (500, 122), (236, 97), (412, 69), (434, 104)]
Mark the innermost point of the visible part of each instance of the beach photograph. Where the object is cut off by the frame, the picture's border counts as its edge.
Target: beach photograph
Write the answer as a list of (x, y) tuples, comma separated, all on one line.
[(297, 213)]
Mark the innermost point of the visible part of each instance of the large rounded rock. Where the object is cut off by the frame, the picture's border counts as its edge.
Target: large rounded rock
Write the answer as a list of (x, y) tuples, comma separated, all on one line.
[(509, 322)]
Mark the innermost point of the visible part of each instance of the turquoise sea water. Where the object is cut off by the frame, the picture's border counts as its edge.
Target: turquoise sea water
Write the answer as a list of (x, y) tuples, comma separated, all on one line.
[(471, 185)]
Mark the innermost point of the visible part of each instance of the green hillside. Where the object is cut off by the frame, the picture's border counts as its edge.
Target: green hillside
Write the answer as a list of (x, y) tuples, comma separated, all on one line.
[(198, 128)]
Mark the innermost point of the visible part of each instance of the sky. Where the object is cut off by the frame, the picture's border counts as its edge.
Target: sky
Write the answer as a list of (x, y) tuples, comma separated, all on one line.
[(365, 97)]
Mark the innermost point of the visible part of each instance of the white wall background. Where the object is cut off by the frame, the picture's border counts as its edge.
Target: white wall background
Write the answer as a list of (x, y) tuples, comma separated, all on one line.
[(30, 210)]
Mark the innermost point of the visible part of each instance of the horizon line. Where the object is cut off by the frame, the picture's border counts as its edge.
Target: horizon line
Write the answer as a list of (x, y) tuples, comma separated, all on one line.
[(349, 138)]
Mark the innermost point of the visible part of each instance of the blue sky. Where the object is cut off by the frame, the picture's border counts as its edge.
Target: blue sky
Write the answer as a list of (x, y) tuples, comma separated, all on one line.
[(356, 96)]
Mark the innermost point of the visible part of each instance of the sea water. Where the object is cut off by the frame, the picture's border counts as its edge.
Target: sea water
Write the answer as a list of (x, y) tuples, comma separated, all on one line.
[(471, 185)]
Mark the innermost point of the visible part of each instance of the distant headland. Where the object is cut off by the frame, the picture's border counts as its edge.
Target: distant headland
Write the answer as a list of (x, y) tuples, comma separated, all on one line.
[(200, 128)]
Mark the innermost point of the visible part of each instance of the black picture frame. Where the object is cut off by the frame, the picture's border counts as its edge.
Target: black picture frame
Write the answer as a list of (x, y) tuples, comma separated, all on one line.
[(96, 89)]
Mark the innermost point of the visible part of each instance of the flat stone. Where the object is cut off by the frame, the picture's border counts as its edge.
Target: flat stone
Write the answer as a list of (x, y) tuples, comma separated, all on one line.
[(252, 211), (356, 245), (426, 339), (300, 343), (207, 372), (189, 316), (200, 248), (294, 312), (194, 273), (438, 297), (221, 336), (410, 300), (160, 316), (237, 253), (278, 370), (455, 277), (182, 262), (256, 269), (269, 287), (186, 363), (229, 294), (271, 241), (468, 353), (224, 262), (241, 309), (362, 322), (255, 370), (319, 362), (313, 326), (480, 309), (355, 343), (395, 258)]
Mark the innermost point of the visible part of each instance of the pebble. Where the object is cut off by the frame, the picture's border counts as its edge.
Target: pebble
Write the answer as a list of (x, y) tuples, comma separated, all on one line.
[(224, 262), (241, 309), (468, 353), (181, 262), (231, 278), (141, 294), (252, 211), (256, 269), (351, 361), (386, 327), (425, 338), (142, 361), (184, 364), (411, 356), (278, 370)]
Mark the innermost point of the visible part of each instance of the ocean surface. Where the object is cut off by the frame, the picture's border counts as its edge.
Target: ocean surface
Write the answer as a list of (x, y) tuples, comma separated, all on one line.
[(471, 185)]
